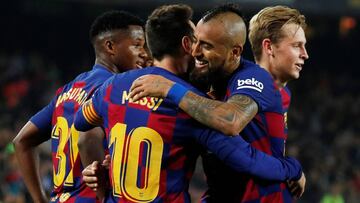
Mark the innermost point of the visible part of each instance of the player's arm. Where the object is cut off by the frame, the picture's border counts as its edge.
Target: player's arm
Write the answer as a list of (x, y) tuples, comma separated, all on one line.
[(92, 153), (90, 146), (229, 117), (88, 141), (34, 132), (242, 157)]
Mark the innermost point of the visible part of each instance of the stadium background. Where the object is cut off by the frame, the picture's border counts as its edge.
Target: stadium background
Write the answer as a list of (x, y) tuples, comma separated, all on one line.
[(44, 44)]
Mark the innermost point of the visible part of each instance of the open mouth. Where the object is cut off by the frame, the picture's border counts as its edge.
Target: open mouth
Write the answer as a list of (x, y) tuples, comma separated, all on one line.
[(200, 63), (139, 64), (299, 66)]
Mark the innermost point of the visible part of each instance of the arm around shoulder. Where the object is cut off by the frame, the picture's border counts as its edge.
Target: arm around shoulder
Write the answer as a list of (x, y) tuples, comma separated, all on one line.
[(228, 117)]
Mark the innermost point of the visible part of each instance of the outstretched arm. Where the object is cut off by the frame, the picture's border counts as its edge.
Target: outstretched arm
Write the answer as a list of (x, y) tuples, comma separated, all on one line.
[(242, 157), (25, 144), (229, 117)]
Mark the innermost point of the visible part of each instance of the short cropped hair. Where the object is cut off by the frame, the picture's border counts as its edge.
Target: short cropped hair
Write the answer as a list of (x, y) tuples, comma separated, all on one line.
[(113, 20), (225, 8), (165, 28), (268, 23)]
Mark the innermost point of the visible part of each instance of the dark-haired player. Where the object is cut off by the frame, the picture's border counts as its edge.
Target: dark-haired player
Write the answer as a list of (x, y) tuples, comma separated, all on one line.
[(153, 144), (255, 99), (118, 40)]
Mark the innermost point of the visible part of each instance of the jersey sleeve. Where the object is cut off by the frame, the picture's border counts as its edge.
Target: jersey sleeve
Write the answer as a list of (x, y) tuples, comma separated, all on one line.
[(89, 115), (242, 157), (42, 119), (255, 83)]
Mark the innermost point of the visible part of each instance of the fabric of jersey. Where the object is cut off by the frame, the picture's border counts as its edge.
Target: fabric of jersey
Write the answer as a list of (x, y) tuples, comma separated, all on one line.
[(266, 132), (57, 118), (154, 145)]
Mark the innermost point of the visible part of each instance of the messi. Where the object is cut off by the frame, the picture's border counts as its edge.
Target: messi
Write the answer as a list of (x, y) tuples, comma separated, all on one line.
[(152, 103)]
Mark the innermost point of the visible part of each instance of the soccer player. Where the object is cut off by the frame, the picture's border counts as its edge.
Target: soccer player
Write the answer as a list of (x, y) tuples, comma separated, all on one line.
[(118, 40), (281, 51), (255, 100), (152, 143)]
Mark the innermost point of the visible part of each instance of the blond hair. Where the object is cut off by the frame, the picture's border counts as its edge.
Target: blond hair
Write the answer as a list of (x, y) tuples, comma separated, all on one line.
[(268, 24)]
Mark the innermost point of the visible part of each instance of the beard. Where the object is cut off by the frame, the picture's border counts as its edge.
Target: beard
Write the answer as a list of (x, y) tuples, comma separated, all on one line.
[(200, 80)]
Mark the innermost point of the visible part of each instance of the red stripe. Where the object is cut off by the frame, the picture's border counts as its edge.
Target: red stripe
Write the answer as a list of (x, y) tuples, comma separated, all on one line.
[(285, 98), (251, 192), (79, 84), (163, 124), (263, 144), (179, 158), (274, 197), (276, 124)]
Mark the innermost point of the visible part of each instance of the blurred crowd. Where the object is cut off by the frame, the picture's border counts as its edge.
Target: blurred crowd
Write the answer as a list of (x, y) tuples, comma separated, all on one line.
[(323, 127), (27, 83), (324, 131)]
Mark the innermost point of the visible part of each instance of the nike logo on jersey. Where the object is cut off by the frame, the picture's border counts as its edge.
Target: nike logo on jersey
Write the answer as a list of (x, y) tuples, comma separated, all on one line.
[(250, 84)]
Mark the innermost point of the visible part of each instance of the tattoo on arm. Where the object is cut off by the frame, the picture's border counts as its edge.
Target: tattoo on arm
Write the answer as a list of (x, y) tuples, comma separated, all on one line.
[(229, 117)]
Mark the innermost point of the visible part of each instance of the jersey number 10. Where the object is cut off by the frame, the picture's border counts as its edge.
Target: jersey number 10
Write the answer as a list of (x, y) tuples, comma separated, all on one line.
[(125, 158)]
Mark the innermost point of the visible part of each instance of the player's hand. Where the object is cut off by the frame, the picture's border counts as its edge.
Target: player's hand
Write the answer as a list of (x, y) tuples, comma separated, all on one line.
[(95, 177), (297, 188), (150, 86), (106, 162), (90, 175)]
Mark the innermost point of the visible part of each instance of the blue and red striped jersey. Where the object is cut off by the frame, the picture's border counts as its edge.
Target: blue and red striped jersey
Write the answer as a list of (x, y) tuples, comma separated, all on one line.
[(57, 117), (154, 145), (266, 132)]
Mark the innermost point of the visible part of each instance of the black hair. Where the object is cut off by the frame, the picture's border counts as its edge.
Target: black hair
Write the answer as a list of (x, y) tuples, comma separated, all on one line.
[(165, 28), (113, 20), (225, 8)]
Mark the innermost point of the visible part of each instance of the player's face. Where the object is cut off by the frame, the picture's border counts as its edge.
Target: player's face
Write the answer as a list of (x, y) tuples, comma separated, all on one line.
[(210, 49), (289, 54), (129, 48)]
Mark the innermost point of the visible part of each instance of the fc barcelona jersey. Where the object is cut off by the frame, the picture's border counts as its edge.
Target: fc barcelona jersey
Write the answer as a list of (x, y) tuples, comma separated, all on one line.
[(266, 132), (57, 117), (154, 145)]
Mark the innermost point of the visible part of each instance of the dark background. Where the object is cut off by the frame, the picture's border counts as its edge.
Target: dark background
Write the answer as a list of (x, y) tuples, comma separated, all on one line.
[(44, 44)]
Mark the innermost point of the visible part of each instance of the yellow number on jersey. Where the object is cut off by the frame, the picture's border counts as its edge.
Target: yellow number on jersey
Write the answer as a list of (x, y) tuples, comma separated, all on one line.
[(128, 151), (62, 132)]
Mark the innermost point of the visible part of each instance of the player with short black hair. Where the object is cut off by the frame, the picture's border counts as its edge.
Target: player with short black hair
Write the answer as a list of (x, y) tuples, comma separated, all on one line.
[(118, 40), (113, 20)]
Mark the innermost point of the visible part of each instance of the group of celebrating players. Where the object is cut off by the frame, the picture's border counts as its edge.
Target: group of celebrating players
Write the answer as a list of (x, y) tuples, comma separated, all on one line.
[(131, 131)]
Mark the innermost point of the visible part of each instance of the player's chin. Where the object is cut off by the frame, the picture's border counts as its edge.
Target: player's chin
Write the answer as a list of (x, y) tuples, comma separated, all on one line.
[(294, 75)]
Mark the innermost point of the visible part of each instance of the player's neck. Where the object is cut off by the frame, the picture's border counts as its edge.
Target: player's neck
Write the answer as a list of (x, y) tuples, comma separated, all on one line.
[(268, 67), (171, 64), (110, 66)]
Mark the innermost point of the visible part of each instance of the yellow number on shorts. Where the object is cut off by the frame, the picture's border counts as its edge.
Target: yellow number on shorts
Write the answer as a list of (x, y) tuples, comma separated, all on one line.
[(62, 133), (127, 150)]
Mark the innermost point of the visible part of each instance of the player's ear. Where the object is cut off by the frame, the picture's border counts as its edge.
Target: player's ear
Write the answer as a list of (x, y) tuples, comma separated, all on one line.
[(109, 46), (186, 44), (237, 51), (267, 47)]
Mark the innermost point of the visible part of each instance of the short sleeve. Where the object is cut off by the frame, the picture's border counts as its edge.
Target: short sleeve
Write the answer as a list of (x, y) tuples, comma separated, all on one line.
[(89, 115), (255, 83), (42, 119)]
